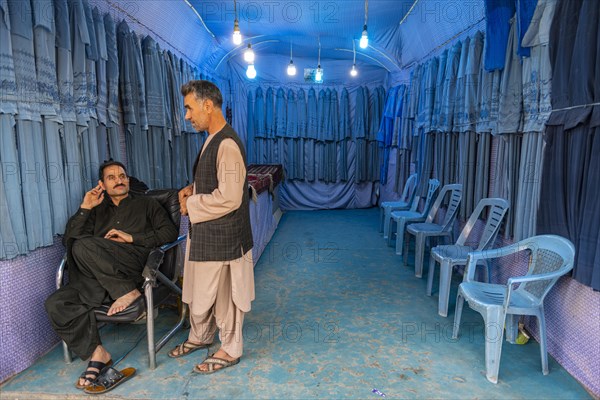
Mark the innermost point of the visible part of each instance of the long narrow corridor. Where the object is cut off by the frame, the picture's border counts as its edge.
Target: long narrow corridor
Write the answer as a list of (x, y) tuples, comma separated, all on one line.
[(336, 315)]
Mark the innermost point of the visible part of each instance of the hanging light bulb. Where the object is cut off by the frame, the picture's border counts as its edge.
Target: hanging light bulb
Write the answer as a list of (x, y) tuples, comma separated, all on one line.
[(249, 54), (319, 71), (251, 71), (364, 39), (319, 74), (237, 36), (291, 69), (353, 71)]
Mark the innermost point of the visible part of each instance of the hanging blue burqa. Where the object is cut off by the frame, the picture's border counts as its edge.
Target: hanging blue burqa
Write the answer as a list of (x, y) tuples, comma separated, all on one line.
[(301, 135), (260, 129), (280, 126), (269, 126), (360, 135), (12, 217), (344, 133), (250, 135), (45, 60), (312, 134), (331, 136), (32, 159), (291, 135), (112, 86)]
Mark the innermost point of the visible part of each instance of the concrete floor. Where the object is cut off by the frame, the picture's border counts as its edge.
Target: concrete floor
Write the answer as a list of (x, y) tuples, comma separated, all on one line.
[(336, 315)]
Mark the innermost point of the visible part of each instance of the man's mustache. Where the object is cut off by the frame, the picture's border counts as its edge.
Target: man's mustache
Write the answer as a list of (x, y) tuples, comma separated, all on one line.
[(119, 185)]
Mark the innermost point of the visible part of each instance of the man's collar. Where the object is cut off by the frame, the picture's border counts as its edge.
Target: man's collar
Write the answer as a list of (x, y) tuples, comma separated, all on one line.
[(123, 201)]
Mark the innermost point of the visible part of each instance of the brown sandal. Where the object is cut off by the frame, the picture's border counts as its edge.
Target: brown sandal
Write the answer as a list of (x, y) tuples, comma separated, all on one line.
[(212, 361), (186, 348)]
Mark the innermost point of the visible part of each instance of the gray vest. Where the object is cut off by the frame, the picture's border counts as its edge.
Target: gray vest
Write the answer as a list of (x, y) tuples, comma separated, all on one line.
[(230, 236)]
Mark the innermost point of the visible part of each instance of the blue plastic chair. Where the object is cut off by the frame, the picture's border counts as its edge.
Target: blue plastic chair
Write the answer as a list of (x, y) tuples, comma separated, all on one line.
[(405, 203), (550, 258), (428, 229), (403, 218), (451, 255)]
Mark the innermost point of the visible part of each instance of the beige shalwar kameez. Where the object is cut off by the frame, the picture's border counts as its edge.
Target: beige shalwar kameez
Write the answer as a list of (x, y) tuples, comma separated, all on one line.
[(219, 293)]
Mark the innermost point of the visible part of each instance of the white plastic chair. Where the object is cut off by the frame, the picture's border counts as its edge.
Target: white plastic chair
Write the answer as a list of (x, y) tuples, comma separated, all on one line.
[(428, 229), (402, 218), (456, 254), (550, 258), (405, 202)]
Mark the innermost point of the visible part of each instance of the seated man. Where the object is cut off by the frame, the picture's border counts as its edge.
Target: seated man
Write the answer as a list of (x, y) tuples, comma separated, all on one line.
[(107, 241)]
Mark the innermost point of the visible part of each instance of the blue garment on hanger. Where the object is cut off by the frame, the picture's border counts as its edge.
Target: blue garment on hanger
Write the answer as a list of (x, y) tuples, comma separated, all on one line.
[(30, 143), (345, 129), (280, 114), (525, 10), (497, 14), (250, 138), (301, 114), (439, 88), (301, 135), (292, 115), (269, 115), (321, 110), (344, 133), (360, 115), (312, 115), (259, 115), (12, 218), (386, 126)]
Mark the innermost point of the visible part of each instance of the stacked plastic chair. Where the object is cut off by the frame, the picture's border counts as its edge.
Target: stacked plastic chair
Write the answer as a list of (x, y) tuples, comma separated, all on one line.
[(428, 229), (403, 218), (405, 203)]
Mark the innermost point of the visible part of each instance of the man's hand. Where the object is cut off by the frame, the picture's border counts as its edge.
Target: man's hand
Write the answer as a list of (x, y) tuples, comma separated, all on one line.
[(183, 196), (118, 236), (92, 198)]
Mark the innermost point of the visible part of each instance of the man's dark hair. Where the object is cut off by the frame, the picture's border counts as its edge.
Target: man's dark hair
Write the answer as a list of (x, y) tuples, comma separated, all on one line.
[(203, 90), (109, 163)]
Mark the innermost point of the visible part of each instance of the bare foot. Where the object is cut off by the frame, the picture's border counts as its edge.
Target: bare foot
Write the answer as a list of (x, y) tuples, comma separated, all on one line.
[(219, 354), (99, 355), (123, 302)]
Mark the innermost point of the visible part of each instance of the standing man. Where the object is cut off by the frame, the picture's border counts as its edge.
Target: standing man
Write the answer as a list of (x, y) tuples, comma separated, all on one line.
[(108, 241), (218, 278)]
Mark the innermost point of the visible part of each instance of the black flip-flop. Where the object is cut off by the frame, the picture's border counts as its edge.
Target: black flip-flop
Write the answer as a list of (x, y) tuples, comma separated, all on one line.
[(109, 379), (91, 376)]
